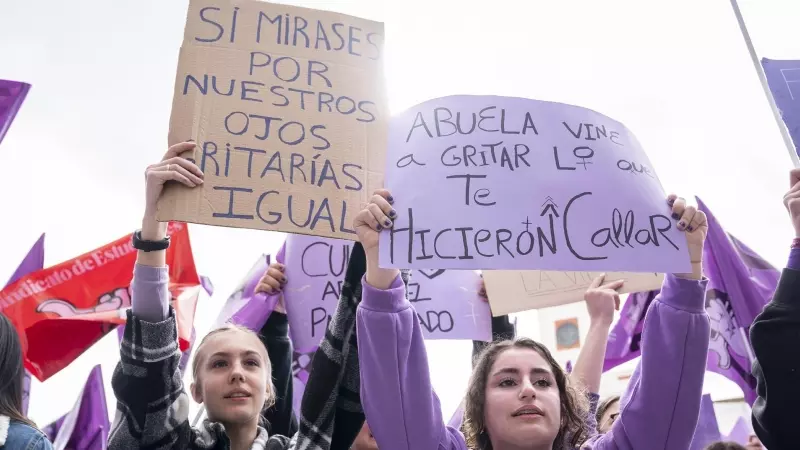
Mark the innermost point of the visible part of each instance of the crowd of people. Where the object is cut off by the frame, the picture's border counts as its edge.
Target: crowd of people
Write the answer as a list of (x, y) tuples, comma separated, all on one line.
[(370, 385)]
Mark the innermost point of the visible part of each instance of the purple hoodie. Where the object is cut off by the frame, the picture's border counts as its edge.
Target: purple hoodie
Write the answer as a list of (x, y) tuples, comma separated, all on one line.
[(659, 410)]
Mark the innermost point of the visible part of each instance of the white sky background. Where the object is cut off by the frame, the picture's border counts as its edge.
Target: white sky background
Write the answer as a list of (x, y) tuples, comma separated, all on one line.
[(676, 73)]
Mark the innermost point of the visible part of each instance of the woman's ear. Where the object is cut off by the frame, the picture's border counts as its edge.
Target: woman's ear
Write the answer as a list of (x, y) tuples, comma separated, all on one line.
[(196, 394)]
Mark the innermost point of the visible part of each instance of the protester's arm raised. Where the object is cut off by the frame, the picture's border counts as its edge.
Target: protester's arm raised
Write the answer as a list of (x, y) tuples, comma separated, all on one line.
[(152, 406), (601, 302), (275, 336), (401, 408), (661, 404)]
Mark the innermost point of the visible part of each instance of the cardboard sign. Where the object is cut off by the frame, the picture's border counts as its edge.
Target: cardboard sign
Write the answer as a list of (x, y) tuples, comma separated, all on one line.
[(288, 109), (524, 184), (513, 291)]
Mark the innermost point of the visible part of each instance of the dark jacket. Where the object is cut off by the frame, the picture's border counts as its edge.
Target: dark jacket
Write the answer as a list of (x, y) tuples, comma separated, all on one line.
[(775, 336)]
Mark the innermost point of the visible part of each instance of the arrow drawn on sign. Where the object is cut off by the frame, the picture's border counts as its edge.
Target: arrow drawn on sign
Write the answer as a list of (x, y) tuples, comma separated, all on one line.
[(551, 205)]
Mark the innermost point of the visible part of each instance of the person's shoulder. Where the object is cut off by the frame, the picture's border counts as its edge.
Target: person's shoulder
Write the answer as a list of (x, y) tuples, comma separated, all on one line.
[(22, 436)]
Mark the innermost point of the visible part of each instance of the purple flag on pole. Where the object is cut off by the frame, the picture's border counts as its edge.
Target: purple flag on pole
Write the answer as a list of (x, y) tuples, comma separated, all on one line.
[(783, 78), (32, 262), (12, 94), (246, 308), (626, 336), (707, 430), (86, 426), (740, 284)]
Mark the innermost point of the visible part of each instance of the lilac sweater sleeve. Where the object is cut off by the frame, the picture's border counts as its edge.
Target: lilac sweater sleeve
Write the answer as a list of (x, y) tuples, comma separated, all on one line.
[(661, 405), (401, 408), (150, 293)]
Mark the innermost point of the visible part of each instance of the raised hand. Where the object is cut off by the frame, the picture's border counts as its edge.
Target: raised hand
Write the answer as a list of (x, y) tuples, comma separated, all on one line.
[(273, 280), (694, 223), (171, 168), (792, 200), (602, 300), (376, 215)]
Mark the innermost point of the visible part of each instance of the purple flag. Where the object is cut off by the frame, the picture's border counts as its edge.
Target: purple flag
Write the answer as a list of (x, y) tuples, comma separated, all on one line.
[(707, 430), (458, 417), (741, 431), (86, 426), (246, 308), (783, 77), (12, 94), (32, 262), (740, 284), (625, 338), (208, 286)]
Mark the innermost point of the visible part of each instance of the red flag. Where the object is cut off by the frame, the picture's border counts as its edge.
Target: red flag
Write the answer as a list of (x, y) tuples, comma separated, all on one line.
[(63, 310)]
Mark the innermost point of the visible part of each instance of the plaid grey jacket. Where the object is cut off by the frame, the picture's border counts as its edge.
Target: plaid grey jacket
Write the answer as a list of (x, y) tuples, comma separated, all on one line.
[(153, 407)]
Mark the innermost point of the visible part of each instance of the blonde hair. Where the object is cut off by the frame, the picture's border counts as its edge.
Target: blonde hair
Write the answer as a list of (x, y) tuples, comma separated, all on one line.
[(269, 398)]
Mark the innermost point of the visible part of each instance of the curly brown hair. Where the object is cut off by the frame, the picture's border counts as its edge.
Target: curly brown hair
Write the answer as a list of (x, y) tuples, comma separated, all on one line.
[(574, 406)]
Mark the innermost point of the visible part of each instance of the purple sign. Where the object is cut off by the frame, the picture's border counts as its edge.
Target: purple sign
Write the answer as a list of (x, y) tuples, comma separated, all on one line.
[(446, 301), (12, 94), (448, 305), (315, 269), (783, 77), (484, 182)]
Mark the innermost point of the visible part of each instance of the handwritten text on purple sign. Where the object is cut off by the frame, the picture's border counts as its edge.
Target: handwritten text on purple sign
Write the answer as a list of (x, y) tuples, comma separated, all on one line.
[(485, 182)]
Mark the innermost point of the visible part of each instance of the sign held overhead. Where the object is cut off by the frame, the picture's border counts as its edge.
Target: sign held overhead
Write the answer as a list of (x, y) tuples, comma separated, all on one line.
[(288, 108)]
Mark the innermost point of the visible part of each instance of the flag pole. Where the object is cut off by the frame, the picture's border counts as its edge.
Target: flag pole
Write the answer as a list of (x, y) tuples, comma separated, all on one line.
[(787, 139)]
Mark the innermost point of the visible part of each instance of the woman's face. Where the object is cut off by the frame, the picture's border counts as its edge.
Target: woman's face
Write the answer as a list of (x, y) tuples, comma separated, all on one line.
[(232, 377), (523, 405), (608, 418)]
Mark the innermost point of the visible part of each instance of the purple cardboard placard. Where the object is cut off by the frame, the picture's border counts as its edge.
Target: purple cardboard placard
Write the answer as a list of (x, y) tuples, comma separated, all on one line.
[(485, 182), (446, 301), (315, 268), (448, 305)]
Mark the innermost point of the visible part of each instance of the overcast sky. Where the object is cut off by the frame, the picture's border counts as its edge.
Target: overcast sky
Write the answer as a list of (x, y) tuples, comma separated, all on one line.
[(676, 73)]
